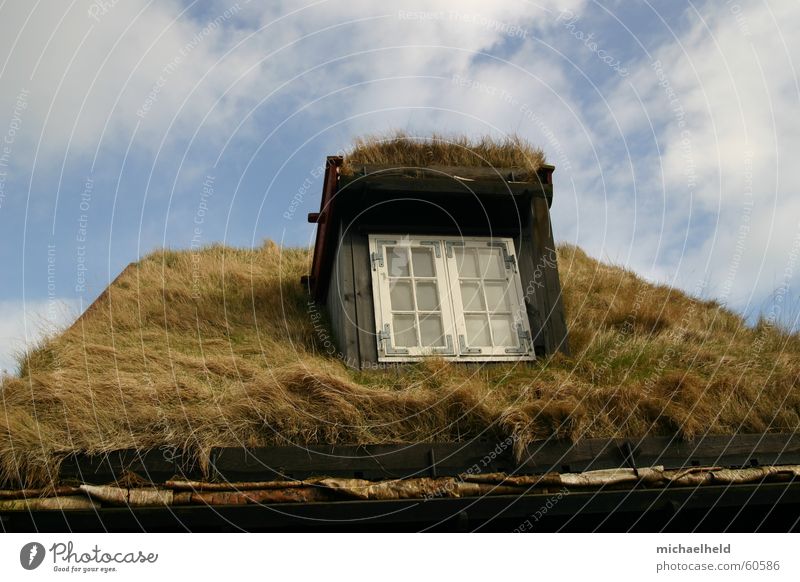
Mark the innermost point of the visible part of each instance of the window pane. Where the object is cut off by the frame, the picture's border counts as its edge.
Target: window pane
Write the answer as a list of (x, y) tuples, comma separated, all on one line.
[(397, 261), (497, 296), (423, 262), (405, 331), (477, 330), (427, 296), (491, 263), (430, 328), (466, 262), (471, 296), (400, 292), (503, 331)]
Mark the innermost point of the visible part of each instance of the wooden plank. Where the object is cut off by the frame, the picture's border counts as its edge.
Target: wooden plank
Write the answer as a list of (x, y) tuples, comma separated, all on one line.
[(450, 172), (154, 465), (349, 347), (730, 450), (552, 455), (533, 266), (553, 314), (341, 303), (321, 265), (543, 259), (444, 230), (531, 281), (557, 456), (726, 451), (365, 305), (393, 185), (333, 306), (441, 459), (367, 462)]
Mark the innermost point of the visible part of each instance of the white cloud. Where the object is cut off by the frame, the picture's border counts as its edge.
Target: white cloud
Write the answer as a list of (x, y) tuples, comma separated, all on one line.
[(726, 139), (89, 72), (92, 78), (24, 324)]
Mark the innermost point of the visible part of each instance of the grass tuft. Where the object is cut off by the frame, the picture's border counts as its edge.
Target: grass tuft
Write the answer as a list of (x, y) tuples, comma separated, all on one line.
[(404, 150)]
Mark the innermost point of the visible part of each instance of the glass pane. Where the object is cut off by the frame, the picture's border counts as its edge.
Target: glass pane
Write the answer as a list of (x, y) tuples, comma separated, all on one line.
[(400, 292), (477, 330), (471, 296), (491, 263), (397, 261), (427, 296), (466, 262), (405, 331), (497, 296), (430, 329), (423, 262), (503, 331)]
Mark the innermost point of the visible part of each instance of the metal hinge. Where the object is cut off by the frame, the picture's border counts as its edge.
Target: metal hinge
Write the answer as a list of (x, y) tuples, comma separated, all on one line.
[(509, 260), (448, 247), (377, 260), (448, 349), (525, 343), (462, 344), (435, 244), (385, 335), (377, 257)]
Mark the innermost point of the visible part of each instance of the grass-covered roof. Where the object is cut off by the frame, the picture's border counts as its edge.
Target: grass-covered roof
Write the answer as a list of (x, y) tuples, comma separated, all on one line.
[(221, 347)]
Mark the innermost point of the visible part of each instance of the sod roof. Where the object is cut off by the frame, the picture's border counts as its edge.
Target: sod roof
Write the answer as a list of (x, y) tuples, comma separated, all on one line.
[(222, 347)]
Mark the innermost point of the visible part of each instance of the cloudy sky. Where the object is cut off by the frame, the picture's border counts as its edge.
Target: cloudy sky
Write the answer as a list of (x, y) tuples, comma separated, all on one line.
[(672, 125)]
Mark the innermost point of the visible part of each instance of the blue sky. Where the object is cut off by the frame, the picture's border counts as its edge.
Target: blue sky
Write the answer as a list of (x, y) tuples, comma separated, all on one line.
[(672, 126)]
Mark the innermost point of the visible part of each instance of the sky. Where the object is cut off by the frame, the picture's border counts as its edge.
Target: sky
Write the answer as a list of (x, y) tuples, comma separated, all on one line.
[(126, 126)]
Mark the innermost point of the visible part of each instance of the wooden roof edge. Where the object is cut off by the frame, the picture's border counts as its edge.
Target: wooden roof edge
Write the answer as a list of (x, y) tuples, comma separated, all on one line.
[(511, 174)]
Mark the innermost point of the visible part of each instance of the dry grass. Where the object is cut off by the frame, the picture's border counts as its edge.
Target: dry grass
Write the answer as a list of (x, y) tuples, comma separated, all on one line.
[(403, 150), (231, 357)]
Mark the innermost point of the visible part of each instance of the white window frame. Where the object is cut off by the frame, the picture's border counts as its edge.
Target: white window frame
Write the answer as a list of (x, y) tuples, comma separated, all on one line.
[(456, 345)]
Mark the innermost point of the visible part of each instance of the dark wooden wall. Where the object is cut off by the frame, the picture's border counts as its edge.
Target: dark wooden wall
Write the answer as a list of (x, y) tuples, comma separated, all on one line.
[(368, 208), (350, 304), (541, 285)]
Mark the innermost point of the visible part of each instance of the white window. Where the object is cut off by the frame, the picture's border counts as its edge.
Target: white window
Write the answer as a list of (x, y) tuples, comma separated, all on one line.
[(459, 298)]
